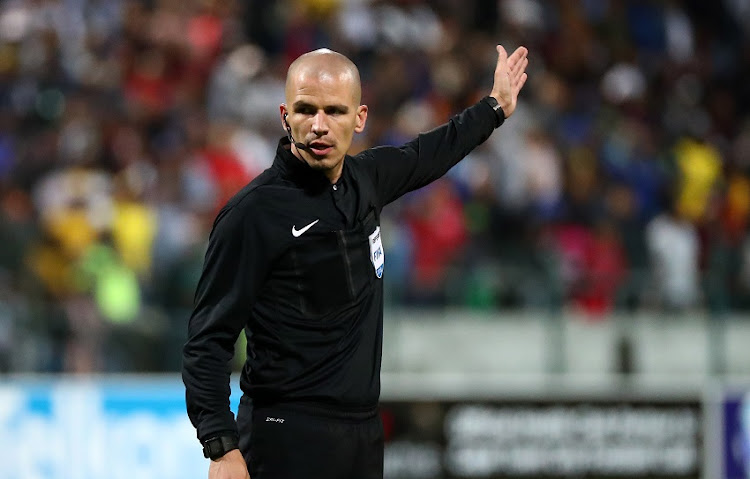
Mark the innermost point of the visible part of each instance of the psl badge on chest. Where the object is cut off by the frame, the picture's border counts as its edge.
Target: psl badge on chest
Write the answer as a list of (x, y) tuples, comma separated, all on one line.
[(376, 252)]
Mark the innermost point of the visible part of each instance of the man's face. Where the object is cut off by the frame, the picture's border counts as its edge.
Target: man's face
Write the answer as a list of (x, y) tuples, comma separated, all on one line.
[(323, 112)]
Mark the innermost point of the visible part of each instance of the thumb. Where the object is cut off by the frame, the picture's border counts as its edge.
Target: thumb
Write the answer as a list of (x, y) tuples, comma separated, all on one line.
[(502, 57)]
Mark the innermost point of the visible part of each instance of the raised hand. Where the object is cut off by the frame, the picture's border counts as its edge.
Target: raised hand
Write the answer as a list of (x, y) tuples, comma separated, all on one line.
[(510, 76)]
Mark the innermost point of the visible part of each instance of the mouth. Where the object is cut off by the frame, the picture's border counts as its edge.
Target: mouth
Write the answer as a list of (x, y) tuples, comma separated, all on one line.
[(320, 149)]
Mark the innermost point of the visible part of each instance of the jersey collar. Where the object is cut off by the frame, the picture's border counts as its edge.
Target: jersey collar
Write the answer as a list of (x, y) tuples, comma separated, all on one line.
[(296, 169)]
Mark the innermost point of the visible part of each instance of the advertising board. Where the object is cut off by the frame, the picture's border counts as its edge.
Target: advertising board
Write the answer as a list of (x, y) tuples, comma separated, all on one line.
[(498, 439), (729, 428), (136, 427)]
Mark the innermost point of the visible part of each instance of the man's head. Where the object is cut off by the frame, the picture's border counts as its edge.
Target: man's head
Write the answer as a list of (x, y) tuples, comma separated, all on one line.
[(322, 109)]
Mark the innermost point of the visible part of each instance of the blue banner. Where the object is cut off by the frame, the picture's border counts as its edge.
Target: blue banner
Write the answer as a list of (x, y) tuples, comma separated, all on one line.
[(736, 436), (94, 429)]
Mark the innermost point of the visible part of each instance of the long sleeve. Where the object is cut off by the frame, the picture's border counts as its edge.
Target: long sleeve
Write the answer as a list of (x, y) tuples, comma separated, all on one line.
[(235, 266), (398, 170)]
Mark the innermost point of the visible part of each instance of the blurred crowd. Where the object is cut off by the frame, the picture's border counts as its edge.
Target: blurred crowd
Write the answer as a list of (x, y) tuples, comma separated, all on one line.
[(622, 183)]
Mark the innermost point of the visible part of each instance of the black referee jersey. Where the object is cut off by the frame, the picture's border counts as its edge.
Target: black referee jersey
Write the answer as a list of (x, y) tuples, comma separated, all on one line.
[(298, 263)]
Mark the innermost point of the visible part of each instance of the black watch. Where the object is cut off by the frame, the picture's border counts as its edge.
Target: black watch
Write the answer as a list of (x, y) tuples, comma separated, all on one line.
[(499, 113), (216, 447)]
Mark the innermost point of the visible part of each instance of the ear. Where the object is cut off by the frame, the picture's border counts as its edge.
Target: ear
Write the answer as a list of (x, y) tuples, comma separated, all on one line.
[(361, 119), (283, 113)]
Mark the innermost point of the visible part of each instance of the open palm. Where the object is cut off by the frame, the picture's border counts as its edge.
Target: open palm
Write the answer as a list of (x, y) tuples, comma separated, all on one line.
[(510, 76)]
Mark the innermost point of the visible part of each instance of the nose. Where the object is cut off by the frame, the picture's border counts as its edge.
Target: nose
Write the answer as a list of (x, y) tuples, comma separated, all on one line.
[(320, 124)]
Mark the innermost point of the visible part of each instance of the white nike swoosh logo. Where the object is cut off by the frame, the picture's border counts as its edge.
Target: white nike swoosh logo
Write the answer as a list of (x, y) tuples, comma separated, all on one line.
[(299, 232)]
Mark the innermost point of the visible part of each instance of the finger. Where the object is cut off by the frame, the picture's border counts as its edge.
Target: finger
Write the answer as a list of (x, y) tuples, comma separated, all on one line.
[(516, 75), (518, 55), (517, 63), (518, 68), (518, 81), (516, 58), (517, 88), (502, 60), (501, 53), (520, 51)]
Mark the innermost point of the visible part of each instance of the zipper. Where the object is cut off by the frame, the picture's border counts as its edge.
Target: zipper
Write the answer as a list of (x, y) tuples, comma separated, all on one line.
[(347, 262), (297, 275)]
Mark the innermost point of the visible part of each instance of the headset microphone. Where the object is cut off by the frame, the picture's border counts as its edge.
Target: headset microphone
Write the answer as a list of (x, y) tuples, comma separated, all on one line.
[(299, 145)]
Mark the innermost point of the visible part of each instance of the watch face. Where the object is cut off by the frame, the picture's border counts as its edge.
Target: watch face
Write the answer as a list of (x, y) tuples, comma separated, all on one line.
[(217, 447), (499, 113), (212, 449)]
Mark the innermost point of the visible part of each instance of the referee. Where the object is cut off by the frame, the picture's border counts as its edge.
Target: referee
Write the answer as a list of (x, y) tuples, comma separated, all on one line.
[(296, 260)]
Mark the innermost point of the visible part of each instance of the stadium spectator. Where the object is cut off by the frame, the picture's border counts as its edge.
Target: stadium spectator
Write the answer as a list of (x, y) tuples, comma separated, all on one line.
[(116, 113)]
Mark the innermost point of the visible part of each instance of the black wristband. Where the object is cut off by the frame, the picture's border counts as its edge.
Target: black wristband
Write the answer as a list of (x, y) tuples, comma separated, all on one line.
[(216, 447), (499, 113)]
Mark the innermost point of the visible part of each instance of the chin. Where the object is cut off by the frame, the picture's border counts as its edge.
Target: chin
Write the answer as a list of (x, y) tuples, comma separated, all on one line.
[(325, 163), (317, 163)]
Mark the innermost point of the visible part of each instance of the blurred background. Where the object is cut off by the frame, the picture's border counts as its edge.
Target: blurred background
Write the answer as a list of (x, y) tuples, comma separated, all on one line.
[(589, 264)]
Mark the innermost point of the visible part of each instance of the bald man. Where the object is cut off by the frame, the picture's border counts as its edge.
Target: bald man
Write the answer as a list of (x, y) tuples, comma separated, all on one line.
[(296, 260)]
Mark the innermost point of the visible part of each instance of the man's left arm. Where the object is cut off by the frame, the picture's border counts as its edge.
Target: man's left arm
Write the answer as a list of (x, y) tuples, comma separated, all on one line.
[(397, 171)]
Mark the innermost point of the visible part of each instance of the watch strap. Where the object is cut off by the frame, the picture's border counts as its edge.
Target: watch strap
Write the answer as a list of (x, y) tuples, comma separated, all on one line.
[(499, 113), (216, 447)]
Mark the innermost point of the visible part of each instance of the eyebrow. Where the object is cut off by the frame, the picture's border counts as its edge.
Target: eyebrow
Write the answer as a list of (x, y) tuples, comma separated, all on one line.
[(302, 105)]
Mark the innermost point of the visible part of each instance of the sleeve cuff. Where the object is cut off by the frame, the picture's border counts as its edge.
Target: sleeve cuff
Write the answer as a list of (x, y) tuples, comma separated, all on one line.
[(217, 425)]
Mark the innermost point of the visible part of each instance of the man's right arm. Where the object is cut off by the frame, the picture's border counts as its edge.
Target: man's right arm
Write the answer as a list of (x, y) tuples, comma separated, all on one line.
[(233, 271)]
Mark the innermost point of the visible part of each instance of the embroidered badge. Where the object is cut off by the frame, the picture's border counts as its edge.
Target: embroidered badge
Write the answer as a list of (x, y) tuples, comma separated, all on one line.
[(376, 252)]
